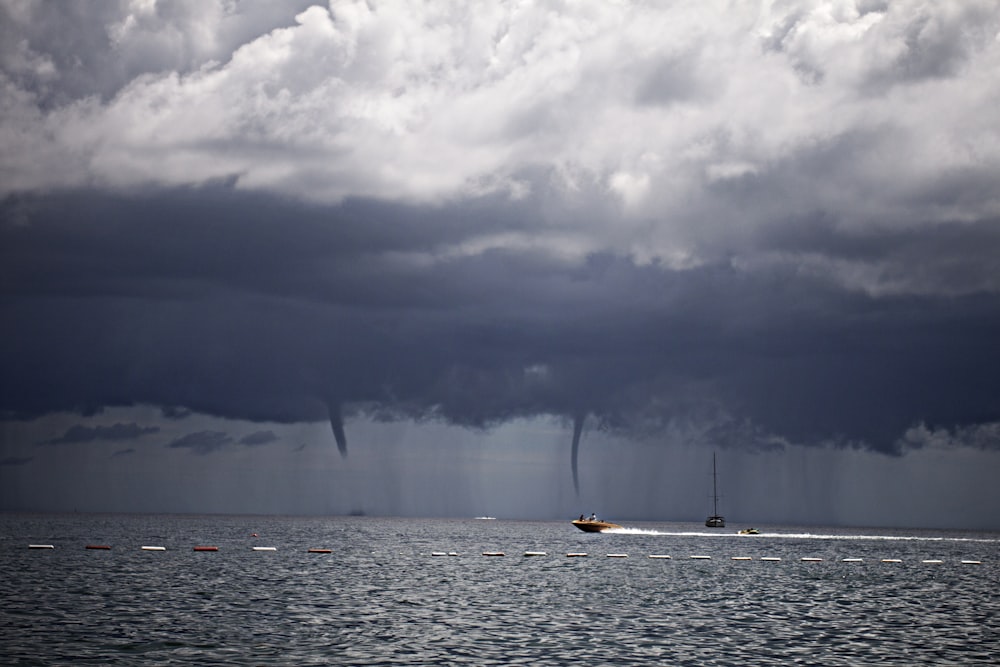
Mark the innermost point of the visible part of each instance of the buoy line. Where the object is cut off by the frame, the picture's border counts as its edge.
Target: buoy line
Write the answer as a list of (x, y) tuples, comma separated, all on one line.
[(571, 554)]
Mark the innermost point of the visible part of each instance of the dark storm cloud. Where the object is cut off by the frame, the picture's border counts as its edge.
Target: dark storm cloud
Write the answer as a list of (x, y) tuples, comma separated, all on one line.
[(175, 412), (16, 460), (259, 438), (255, 308), (78, 433), (202, 442)]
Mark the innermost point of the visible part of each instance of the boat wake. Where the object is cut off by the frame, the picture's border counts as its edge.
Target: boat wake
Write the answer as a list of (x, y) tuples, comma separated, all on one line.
[(626, 530)]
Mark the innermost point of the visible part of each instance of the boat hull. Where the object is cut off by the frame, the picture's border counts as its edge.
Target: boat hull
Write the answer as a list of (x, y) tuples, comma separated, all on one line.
[(594, 526), (715, 522)]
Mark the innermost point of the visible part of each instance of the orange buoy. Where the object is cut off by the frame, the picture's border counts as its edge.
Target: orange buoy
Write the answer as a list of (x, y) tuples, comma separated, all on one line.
[(320, 551), (206, 548), (102, 547)]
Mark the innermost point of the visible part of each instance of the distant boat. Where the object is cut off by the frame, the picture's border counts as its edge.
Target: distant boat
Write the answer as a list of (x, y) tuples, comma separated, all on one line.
[(715, 521), (749, 531), (593, 525)]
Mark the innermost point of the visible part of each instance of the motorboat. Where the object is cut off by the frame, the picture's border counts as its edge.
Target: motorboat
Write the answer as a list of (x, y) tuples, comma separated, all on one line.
[(749, 531), (594, 525)]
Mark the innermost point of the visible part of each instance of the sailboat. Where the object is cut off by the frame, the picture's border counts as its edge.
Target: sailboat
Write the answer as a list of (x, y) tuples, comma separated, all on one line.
[(715, 521)]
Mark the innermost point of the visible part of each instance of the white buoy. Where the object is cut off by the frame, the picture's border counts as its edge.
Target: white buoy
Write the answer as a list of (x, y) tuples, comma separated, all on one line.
[(41, 546), (452, 553), (576, 554), (441, 553), (891, 560), (972, 562), (809, 559), (264, 548), (153, 548), (741, 558), (701, 557), (932, 560), (617, 555), (853, 560), (534, 553), (494, 553), (771, 559), (660, 556)]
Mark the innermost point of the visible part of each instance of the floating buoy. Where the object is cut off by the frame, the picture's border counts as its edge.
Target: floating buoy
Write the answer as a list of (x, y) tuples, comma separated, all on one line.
[(701, 557), (153, 548), (932, 560), (452, 553), (660, 556), (320, 551), (617, 556), (576, 554), (809, 559), (264, 548), (41, 546), (771, 559), (253, 534), (494, 553), (741, 558), (102, 547), (891, 560), (534, 553), (206, 548), (971, 562), (852, 560), (438, 553)]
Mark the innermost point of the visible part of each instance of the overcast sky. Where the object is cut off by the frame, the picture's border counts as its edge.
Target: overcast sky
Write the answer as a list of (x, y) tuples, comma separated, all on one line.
[(528, 259)]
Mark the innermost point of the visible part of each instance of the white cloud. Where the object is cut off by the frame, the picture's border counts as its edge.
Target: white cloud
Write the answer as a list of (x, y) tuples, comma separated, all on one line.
[(870, 117)]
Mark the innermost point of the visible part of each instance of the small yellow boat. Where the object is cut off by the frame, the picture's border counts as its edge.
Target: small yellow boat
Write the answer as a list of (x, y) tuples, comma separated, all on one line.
[(594, 525)]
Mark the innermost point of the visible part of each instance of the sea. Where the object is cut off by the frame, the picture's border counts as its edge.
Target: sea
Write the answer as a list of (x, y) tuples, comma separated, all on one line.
[(485, 591)]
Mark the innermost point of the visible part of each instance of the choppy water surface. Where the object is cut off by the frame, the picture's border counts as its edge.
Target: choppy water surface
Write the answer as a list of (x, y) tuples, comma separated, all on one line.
[(383, 598)]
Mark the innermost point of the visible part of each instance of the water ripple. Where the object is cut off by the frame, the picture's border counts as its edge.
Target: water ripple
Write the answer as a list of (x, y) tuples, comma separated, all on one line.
[(381, 599)]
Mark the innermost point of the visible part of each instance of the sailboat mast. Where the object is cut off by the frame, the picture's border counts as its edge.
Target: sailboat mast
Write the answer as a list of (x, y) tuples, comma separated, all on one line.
[(715, 521), (715, 490)]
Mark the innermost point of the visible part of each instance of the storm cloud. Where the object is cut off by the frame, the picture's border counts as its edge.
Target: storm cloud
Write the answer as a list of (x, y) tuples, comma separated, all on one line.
[(202, 442), (78, 433), (757, 225)]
